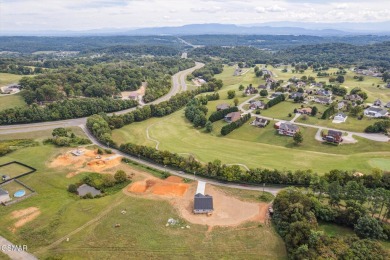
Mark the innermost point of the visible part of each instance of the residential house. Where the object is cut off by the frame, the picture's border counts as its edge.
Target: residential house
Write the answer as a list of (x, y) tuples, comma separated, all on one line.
[(341, 105), (354, 97), (378, 103), (4, 196), (222, 107), (301, 84), (276, 94), (323, 100), (250, 90), (260, 122), (257, 105), (288, 129), (262, 87), (203, 204), (387, 105), (133, 96), (294, 95), (237, 72), (341, 117), (232, 117), (318, 85), (323, 92), (333, 136), (375, 112), (305, 110)]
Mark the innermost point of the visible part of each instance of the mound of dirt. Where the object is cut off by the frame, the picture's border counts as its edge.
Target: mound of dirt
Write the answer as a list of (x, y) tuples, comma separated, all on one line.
[(104, 163), (24, 216), (170, 189), (138, 187), (160, 187)]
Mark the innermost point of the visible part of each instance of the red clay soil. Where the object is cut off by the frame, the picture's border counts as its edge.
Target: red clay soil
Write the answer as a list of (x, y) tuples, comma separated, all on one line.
[(168, 187)]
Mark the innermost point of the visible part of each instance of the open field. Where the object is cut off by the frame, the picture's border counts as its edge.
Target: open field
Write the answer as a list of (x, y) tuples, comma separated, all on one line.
[(142, 234), (13, 170), (10, 101), (39, 135), (8, 78)]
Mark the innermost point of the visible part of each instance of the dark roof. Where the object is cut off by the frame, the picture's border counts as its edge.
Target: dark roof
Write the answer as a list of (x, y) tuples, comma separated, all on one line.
[(288, 126), (335, 133), (203, 202), (261, 120)]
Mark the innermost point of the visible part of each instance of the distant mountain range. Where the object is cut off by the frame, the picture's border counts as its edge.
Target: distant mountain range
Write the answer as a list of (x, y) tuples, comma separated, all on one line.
[(272, 28)]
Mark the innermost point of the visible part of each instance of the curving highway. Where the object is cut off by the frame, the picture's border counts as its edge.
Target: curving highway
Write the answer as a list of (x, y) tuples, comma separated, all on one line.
[(178, 84)]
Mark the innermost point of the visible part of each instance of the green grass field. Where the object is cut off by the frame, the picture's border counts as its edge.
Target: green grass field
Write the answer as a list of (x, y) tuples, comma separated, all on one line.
[(7, 78), (142, 233), (13, 170), (256, 147), (10, 101)]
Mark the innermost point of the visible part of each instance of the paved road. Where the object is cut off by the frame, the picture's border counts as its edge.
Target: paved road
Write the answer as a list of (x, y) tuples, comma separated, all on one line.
[(373, 137), (178, 84), (14, 255), (273, 190)]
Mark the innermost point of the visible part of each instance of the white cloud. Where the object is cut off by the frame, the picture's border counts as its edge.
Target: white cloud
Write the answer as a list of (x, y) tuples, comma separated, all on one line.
[(275, 9), (91, 14)]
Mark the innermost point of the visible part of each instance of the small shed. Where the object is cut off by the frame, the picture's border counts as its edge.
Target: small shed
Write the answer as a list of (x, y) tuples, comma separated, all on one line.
[(4, 196)]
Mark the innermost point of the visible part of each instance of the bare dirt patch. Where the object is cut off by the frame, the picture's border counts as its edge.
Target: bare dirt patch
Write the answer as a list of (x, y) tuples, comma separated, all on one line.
[(172, 186), (228, 211), (24, 216), (88, 161)]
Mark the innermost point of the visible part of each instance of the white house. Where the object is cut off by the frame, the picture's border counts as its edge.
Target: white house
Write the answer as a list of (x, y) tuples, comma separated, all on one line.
[(340, 117), (375, 112), (4, 196)]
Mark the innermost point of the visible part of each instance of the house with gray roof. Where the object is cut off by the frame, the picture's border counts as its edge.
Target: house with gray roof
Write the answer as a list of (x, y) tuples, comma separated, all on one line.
[(323, 100), (222, 107), (257, 105), (4, 196), (203, 204), (260, 122), (375, 112), (288, 129), (378, 103)]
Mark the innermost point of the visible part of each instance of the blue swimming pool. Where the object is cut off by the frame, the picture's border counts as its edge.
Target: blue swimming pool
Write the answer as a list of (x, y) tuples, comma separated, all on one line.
[(19, 193)]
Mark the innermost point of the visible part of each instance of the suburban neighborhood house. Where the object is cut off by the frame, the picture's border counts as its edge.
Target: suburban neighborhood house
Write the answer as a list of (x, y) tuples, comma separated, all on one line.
[(260, 122), (353, 97), (304, 111), (4, 196), (375, 112), (232, 117), (202, 203), (257, 105), (340, 117), (323, 100), (333, 136), (222, 107), (286, 128)]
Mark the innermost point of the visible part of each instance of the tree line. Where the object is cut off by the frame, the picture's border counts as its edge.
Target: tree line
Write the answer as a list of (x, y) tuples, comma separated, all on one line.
[(225, 130), (67, 109)]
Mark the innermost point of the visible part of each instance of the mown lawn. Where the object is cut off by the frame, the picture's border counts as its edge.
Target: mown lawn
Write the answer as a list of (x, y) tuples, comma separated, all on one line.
[(255, 147)]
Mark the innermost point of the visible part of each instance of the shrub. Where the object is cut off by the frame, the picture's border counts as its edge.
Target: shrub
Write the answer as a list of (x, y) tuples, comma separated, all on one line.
[(72, 188), (120, 176)]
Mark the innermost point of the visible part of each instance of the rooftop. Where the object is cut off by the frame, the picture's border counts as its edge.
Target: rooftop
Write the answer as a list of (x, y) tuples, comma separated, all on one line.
[(203, 202)]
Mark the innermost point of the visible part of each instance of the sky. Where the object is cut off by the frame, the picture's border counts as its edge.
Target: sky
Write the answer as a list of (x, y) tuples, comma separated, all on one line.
[(78, 15)]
